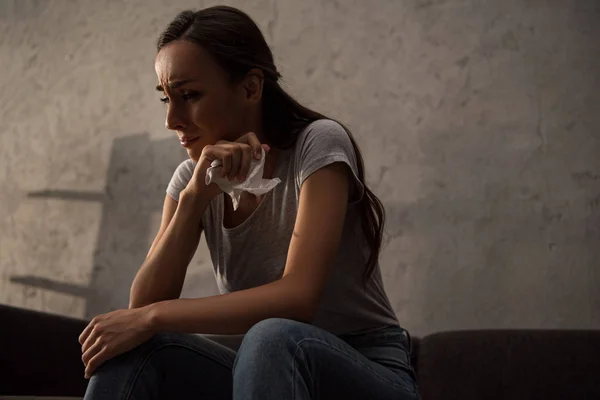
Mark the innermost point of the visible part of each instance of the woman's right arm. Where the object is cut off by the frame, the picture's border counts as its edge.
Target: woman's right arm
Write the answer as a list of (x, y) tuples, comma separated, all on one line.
[(162, 274)]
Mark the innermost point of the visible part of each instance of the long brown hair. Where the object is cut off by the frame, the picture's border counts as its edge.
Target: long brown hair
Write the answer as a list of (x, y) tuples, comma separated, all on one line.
[(236, 43)]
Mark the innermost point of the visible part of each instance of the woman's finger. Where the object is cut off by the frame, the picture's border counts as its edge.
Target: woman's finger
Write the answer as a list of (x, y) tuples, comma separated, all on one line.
[(251, 139), (91, 351), (218, 152), (236, 158), (96, 361), (225, 157), (245, 163), (86, 332), (91, 339)]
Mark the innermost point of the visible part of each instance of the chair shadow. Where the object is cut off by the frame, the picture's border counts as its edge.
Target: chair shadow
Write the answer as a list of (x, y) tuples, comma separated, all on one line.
[(138, 173)]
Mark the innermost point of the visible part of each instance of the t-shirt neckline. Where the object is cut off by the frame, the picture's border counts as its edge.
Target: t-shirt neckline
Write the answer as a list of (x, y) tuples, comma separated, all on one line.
[(268, 198)]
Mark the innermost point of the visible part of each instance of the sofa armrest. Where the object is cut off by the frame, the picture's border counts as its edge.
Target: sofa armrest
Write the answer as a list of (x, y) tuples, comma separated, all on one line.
[(41, 355)]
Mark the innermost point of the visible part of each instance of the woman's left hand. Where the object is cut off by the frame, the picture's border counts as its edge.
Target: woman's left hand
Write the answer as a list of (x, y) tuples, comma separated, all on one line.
[(111, 334)]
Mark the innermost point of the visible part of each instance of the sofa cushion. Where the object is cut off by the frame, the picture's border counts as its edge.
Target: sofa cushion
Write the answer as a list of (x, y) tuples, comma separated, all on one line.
[(41, 355), (510, 364)]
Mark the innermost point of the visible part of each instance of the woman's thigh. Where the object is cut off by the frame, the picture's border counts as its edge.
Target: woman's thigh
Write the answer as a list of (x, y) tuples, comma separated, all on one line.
[(390, 348), (170, 365), (366, 366), (309, 362)]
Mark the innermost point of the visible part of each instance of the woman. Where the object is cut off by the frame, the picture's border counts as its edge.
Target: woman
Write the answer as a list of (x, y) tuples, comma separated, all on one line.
[(297, 267)]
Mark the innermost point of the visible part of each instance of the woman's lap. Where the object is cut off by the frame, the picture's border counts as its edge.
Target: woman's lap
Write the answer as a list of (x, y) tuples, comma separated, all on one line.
[(278, 358)]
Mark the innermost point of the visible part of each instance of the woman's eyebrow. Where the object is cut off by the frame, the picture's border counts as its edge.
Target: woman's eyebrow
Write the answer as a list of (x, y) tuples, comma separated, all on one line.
[(174, 85)]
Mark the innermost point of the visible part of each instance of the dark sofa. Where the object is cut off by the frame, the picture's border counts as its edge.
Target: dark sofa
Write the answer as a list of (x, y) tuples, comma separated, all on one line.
[(40, 357)]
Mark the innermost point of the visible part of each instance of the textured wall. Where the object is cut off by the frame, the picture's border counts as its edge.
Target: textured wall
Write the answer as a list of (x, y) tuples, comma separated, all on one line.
[(479, 122)]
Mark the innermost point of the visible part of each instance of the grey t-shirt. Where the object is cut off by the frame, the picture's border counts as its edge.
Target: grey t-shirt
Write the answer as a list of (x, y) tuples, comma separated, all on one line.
[(254, 252)]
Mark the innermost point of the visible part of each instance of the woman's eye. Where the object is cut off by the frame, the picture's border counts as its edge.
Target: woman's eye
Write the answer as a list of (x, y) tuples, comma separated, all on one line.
[(186, 96), (189, 96)]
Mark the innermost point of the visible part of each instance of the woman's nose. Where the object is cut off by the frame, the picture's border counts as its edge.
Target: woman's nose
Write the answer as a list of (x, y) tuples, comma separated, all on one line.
[(174, 121)]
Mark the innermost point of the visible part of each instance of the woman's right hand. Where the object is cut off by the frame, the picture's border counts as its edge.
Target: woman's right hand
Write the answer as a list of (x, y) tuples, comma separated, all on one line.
[(235, 159)]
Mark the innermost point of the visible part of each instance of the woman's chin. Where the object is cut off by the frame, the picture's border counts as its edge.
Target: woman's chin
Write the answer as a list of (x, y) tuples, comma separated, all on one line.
[(195, 152), (194, 155)]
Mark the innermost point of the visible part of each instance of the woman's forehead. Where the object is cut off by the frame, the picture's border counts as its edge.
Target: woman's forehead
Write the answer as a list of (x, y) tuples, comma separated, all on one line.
[(183, 60)]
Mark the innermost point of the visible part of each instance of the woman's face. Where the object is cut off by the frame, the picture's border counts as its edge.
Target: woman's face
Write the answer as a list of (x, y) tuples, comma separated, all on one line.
[(203, 106)]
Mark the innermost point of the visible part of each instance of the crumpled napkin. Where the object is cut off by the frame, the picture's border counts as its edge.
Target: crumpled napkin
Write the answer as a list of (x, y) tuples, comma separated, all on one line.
[(254, 182)]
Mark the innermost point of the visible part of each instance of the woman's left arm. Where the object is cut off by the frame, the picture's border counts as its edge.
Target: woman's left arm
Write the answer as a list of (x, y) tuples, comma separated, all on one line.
[(311, 254)]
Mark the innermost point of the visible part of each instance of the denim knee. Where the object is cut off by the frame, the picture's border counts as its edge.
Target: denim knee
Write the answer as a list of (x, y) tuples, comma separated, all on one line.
[(134, 355), (272, 331), (272, 339)]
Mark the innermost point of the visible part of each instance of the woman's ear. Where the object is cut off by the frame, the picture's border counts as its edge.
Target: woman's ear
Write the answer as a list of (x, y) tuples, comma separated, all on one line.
[(253, 84)]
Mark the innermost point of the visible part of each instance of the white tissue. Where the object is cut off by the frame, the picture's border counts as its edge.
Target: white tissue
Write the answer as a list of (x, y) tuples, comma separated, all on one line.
[(254, 182)]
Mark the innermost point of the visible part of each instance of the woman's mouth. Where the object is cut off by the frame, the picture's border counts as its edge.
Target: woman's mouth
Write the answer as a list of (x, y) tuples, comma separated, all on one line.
[(187, 142)]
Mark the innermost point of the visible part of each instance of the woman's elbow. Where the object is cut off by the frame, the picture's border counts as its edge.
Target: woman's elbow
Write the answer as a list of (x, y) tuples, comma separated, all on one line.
[(304, 310)]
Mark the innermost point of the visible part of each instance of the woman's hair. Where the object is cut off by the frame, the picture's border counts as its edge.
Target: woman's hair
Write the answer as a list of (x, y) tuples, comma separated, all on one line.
[(237, 45)]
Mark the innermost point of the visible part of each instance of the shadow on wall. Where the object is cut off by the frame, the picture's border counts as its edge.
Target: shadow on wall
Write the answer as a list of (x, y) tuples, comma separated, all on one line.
[(138, 173), (507, 230)]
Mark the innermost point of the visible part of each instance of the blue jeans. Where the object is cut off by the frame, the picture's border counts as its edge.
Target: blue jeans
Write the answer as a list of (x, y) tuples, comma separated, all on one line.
[(278, 359)]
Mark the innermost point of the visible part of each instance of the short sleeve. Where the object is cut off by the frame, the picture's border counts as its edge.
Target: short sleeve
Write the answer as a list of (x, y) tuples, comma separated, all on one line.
[(180, 179), (325, 142)]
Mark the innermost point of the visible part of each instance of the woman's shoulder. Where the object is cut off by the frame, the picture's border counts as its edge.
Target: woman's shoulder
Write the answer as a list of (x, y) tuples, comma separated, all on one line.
[(322, 125), (321, 143), (185, 169), (323, 135), (182, 175), (320, 135)]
